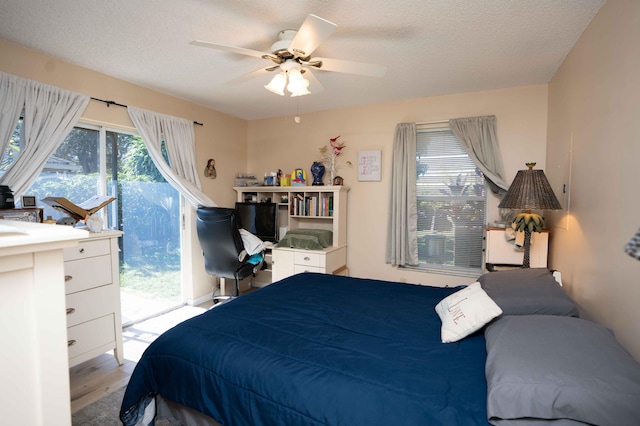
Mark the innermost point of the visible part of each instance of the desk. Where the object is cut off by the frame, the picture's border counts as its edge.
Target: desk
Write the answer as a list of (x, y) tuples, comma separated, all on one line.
[(291, 261)]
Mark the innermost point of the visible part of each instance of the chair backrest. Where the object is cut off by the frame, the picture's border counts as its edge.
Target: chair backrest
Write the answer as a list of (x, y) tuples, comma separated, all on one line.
[(220, 240)]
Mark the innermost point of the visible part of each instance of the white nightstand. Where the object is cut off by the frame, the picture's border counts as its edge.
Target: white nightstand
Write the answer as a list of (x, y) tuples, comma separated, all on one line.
[(499, 251)]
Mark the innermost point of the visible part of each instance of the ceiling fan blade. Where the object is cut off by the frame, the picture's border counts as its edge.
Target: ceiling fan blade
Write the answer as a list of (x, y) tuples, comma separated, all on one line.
[(314, 30), (350, 67), (251, 75), (232, 49), (314, 84)]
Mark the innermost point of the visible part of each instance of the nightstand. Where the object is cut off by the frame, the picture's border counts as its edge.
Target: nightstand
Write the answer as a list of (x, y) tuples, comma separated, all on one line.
[(499, 251)]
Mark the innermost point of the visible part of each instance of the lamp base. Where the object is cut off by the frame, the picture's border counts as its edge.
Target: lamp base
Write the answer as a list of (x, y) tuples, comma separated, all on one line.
[(526, 261)]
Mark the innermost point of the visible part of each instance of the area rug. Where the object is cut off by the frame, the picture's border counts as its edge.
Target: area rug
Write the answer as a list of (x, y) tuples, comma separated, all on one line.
[(137, 337), (103, 412)]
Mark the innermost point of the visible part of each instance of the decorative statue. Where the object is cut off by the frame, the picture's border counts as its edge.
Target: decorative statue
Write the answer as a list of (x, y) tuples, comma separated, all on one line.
[(330, 155), (317, 170)]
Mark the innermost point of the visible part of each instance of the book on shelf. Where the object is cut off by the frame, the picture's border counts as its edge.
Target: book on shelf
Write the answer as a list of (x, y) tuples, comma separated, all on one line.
[(311, 206), (326, 202), (78, 211)]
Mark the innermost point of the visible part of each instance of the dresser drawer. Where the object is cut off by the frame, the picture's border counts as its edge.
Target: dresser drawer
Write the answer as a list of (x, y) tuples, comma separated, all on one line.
[(87, 273), (309, 258), (89, 335), (87, 249), (298, 269), (87, 305)]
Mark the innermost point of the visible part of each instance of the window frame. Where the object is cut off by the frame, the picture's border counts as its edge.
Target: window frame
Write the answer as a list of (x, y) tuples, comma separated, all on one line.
[(478, 225)]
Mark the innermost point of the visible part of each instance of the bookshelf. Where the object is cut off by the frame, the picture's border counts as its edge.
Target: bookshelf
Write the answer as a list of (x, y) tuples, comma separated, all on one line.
[(309, 207)]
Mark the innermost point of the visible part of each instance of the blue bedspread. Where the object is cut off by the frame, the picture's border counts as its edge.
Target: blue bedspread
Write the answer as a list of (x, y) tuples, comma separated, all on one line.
[(317, 349)]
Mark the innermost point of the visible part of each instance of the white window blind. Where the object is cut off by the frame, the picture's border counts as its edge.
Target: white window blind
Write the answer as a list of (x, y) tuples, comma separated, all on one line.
[(451, 203)]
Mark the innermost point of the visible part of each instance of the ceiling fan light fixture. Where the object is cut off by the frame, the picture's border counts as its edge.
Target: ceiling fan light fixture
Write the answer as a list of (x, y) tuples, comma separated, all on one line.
[(292, 55), (298, 85), (277, 84)]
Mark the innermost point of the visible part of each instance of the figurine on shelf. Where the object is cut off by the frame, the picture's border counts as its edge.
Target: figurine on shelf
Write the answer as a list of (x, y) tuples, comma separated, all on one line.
[(338, 181)]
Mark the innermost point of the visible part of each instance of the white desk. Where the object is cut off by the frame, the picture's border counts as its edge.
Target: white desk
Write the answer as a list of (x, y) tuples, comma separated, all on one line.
[(34, 363)]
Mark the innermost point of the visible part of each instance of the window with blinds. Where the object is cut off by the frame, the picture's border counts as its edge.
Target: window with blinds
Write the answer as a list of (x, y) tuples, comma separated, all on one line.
[(451, 203)]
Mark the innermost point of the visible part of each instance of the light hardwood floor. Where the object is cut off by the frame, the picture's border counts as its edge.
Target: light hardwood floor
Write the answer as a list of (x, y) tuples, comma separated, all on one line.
[(102, 375)]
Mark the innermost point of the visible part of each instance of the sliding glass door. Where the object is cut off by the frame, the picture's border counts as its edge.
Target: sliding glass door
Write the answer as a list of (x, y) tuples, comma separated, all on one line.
[(94, 160), (148, 211)]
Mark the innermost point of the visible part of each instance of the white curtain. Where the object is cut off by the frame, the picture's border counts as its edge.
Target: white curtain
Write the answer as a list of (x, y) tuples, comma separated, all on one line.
[(179, 139), (12, 93), (49, 115), (402, 228), (477, 135)]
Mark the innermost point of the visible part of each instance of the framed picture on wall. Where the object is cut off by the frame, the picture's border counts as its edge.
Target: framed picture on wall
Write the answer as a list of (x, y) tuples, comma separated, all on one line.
[(369, 166)]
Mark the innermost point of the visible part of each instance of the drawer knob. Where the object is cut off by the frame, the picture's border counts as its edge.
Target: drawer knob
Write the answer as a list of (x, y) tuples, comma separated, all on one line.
[(70, 310), (71, 342), (307, 258), (68, 277), (81, 250)]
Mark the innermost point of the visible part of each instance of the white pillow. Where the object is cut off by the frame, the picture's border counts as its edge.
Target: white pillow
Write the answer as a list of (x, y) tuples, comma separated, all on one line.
[(465, 311)]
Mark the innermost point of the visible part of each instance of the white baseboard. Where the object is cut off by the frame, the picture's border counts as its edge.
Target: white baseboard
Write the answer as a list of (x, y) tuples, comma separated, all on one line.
[(200, 300)]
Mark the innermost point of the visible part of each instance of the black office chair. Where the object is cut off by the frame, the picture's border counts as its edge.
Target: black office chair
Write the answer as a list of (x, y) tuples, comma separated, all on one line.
[(224, 254)]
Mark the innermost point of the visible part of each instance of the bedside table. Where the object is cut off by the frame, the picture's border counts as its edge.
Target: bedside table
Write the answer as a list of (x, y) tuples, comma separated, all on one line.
[(499, 251)]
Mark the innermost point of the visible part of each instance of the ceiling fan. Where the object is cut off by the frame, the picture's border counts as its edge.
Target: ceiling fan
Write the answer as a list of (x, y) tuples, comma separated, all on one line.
[(292, 56)]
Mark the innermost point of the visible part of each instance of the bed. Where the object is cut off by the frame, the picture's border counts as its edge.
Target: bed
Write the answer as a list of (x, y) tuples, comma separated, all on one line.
[(317, 349)]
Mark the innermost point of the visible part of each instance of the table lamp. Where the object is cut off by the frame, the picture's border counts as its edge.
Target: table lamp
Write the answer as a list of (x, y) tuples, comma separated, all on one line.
[(633, 246), (530, 190)]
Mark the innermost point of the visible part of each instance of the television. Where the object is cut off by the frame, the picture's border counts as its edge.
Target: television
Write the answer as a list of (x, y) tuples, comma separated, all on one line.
[(261, 219)]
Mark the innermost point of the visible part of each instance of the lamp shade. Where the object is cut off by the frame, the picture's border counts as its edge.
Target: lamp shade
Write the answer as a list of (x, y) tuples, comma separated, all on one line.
[(297, 84), (530, 190), (277, 84), (633, 246)]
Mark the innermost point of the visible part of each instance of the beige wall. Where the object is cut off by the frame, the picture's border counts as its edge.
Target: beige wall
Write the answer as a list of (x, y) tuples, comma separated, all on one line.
[(593, 112), (594, 130), (281, 144), (222, 137)]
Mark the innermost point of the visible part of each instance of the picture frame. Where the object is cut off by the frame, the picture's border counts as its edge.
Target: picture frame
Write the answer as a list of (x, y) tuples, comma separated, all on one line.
[(28, 201), (298, 177), (369, 165)]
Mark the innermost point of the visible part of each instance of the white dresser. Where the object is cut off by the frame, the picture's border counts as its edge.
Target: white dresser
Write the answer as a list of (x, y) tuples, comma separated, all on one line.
[(92, 287), (34, 364)]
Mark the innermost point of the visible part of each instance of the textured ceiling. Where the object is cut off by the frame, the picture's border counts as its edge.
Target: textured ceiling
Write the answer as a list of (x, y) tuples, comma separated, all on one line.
[(430, 47)]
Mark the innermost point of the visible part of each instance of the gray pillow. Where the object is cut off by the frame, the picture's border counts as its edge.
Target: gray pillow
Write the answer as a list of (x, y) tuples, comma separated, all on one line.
[(528, 291), (553, 367)]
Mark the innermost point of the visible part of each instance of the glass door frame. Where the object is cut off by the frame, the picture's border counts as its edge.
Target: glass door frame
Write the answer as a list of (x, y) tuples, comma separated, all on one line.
[(110, 221)]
